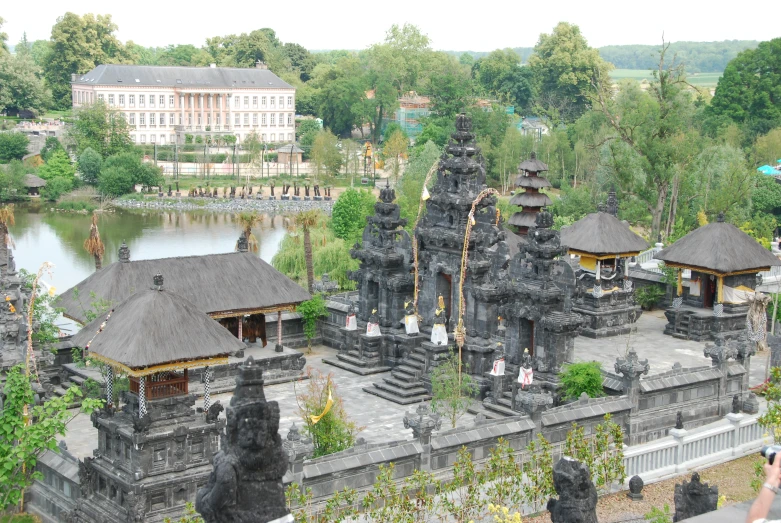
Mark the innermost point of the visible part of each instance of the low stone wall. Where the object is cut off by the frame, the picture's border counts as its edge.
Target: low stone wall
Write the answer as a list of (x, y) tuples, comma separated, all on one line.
[(266, 206)]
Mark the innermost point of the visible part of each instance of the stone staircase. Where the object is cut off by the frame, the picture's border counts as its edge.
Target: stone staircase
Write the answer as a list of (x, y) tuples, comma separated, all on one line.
[(682, 322), (405, 385), (503, 407), (77, 379), (351, 360)]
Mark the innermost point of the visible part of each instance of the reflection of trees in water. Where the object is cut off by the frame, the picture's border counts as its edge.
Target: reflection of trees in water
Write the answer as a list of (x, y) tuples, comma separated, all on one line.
[(72, 229)]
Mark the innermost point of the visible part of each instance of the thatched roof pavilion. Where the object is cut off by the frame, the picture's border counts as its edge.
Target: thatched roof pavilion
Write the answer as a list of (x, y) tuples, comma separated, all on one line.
[(33, 183), (601, 235), (221, 285), (155, 330)]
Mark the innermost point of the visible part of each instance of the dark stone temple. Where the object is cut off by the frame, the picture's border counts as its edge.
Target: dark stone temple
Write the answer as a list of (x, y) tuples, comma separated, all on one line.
[(154, 453), (385, 284), (603, 246), (723, 263), (531, 199), (13, 320)]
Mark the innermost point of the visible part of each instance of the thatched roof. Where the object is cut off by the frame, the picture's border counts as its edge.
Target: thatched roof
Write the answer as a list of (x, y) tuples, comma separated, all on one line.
[(533, 165), (719, 247), (215, 283), (523, 219), (531, 199), (30, 180), (155, 327), (531, 182), (601, 233)]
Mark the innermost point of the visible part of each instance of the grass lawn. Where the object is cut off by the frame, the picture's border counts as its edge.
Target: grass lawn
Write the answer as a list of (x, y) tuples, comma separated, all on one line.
[(698, 79), (20, 518)]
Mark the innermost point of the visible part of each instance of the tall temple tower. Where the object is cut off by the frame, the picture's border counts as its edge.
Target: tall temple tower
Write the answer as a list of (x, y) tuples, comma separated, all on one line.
[(531, 200)]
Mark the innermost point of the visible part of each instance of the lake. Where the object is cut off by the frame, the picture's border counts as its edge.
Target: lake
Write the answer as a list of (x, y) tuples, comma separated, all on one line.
[(41, 234)]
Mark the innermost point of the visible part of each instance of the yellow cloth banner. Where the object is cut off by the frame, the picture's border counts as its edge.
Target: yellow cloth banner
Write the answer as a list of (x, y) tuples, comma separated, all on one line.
[(328, 404)]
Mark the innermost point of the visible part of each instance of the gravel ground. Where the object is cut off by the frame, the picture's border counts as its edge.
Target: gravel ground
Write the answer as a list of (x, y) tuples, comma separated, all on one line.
[(223, 205), (732, 478)]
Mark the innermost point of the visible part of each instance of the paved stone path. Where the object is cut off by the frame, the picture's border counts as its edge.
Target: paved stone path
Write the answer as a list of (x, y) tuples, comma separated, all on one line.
[(382, 419)]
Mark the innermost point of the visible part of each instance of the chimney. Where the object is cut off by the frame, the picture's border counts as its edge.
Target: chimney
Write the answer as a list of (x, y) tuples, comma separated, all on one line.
[(213, 66), (260, 65), (73, 77)]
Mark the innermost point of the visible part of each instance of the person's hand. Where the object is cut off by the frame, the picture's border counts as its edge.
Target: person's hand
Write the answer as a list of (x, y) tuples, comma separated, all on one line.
[(773, 472)]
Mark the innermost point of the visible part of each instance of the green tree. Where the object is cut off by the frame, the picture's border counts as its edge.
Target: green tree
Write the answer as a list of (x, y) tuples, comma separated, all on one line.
[(56, 187), (348, 216), (452, 388), (747, 92), (13, 146), (58, 166), (300, 59), (500, 74), (410, 187), (325, 420), (311, 312), (577, 378), (565, 69), (767, 148), (395, 150), (21, 87), (452, 91), (325, 154), (307, 132), (90, 164), (3, 39), (115, 181), (27, 430), (51, 145), (12, 180), (78, 44), (306, 220), (101, 128)]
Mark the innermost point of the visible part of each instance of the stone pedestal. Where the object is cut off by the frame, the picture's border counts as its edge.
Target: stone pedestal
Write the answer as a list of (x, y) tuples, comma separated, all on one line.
[(370, 348)]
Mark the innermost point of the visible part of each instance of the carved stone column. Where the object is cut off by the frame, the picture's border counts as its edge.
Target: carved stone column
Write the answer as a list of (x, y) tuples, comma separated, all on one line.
[(423, 422), (631, 368)]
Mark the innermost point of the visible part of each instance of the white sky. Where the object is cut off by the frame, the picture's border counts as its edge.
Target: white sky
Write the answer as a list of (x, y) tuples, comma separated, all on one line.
[(481, 25)]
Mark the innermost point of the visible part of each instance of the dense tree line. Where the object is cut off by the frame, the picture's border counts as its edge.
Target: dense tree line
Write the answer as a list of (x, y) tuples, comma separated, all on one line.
[(699, 57)]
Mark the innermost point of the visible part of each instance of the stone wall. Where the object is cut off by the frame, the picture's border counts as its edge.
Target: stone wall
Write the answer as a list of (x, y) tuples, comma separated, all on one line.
[(56, 494)]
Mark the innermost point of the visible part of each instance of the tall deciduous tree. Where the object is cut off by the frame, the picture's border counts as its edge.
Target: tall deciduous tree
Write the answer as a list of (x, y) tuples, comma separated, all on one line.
[(395, 150), (13, 146), (325, 153), (90, 163), (3, 39), (653, 141), (78, 44), (21, 88), (565, 68), (306, 220), (101, 128), (500, 74)]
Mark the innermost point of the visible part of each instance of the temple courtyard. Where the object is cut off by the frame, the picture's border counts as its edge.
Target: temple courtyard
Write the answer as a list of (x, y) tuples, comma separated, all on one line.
[(381, 420)]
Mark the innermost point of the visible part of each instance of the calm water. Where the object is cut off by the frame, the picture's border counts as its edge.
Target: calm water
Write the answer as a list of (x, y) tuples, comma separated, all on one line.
[(43, 235)]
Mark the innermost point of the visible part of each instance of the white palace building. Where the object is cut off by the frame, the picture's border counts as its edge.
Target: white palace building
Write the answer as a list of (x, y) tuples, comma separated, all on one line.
[(163, 103)]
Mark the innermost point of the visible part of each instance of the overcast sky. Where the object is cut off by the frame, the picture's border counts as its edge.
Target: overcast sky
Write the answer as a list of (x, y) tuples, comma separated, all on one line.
[(481, 25)]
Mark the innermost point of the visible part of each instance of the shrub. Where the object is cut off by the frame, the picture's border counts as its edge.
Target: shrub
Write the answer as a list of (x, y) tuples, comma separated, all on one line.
[(13, 146), (114, 181), (90, 163), (311, 311), (332, 431), (350, 210), (648, 296), (577, 378), (56, 187)]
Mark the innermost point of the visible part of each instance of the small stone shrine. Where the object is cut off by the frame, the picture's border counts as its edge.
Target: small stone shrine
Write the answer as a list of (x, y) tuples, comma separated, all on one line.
[(246, 483), (577, 501), (531, 200), (385, 283), (13, 315), (694, 498), (604, 294), (723, 262), (154, 452)]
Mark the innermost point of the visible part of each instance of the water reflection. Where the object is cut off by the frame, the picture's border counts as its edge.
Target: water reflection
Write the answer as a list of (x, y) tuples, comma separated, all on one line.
[(43, 235)]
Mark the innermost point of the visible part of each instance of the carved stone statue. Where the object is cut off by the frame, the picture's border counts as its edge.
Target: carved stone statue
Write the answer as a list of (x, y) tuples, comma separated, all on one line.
[(214, 411), (410, 319), (694, 498), (577, 501), (439, 330), (679, 420), (373, 325), (246, 483)]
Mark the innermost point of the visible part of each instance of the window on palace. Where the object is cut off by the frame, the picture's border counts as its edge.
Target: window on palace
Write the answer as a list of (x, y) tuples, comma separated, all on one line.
[(141, 98), (162, 100), (290, 101), (151, 100), (237, 119), (263, 137), (171, 101), (273, 119), (132, 119), (218, 118), (272, 101), (263, 119), (152, 120), (162, 119), (281, 119), (100, 97), (172, 119), (236, 102), (141, 118), (111, 99), (263, 101), (122, 100), (273, 137), (255, 119), (246, 102), (281, 102), (131, 98), (142, 138), (255, 102), (246, 118), (152, 138), (289, 119)]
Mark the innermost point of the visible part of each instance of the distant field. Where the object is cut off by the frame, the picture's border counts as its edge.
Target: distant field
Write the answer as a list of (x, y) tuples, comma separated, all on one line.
[(698, 79)]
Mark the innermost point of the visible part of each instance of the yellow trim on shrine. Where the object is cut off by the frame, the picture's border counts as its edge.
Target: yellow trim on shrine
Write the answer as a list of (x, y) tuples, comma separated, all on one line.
[(603, 256), (715, 273), (680, 282), (720, 289), (245, 312), (137, 373), (588, 262)]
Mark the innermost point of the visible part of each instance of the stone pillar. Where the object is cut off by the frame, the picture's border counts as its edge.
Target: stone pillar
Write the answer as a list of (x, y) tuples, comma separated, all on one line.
[(298, 449), (720, 353), (192, 109), (631, 368), (423, 422), (735, 419), (228, 121), (211, 111), (202, 99), (678, 435), (278, 348), (181, 109)]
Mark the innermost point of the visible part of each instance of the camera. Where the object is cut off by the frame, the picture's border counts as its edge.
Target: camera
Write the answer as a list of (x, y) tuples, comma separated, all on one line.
[(769, 452)]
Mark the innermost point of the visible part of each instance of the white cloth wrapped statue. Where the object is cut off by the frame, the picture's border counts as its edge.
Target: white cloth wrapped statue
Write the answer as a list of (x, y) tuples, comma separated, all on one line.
[(439, 330), (498, 368), (351, 323), (410, 320), (525, 372), (373, 327)]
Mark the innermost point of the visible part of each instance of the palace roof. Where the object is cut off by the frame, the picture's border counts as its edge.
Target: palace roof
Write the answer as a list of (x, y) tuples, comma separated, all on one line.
[(153, 328), (224, 285), (181, 77), (719, 247), (601, 233)]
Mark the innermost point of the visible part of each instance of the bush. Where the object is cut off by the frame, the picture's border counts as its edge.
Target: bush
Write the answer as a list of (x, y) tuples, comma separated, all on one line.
[(350, 210), (13, 146), (333, 431), (577, 378), (56, 187), (52, 144), (648, 296), (90, 163), (115, 181)]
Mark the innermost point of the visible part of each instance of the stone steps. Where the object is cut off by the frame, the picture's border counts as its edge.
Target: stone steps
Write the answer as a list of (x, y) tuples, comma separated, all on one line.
[(403, 392), (396, 398), (362, 371), (500, 410), (403, 375), (355, 360), (479, 408), (400, 384)]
